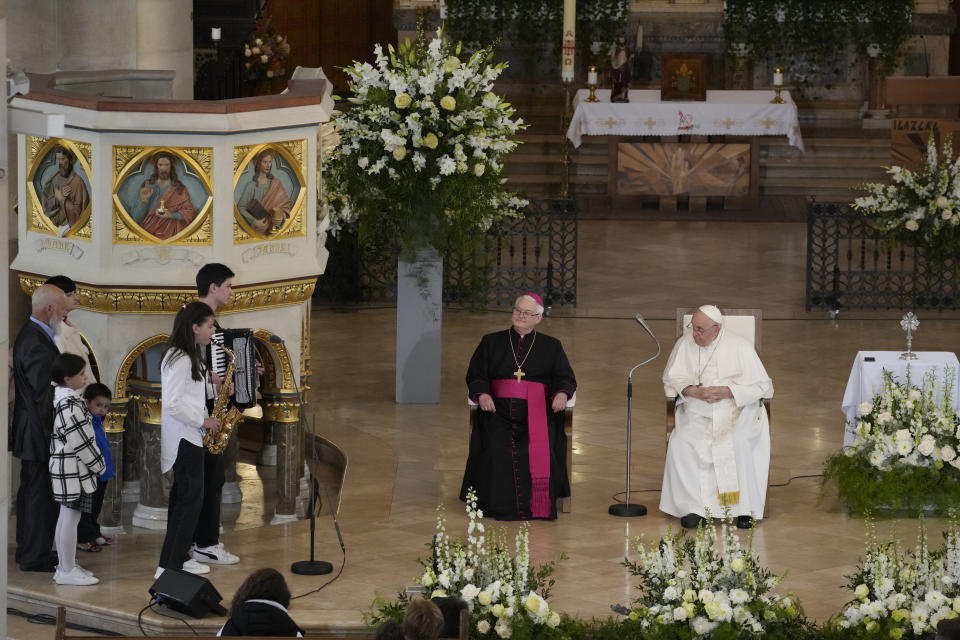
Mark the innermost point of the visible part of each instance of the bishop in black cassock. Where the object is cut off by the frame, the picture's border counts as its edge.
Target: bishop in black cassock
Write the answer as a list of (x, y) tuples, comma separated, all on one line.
[(521, 379)]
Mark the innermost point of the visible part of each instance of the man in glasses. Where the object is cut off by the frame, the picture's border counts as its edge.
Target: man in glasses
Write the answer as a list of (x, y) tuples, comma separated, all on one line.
[(719, 452), (522, 380)]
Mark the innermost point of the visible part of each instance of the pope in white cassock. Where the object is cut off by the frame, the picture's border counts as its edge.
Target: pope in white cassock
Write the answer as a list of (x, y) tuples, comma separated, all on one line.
[(719, 452)]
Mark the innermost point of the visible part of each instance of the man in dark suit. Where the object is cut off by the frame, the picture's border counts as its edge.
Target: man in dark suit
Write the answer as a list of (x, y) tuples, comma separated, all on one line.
[(33, 354)]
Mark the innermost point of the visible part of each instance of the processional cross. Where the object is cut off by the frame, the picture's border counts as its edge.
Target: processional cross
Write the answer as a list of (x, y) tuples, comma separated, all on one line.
[(909, 323)]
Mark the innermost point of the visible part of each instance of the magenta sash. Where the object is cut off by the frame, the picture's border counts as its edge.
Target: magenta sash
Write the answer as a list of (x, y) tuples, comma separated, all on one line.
[(538, 448)]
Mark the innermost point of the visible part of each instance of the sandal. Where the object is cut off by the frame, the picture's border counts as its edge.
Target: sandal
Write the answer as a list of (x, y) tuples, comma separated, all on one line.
[(89, 546)]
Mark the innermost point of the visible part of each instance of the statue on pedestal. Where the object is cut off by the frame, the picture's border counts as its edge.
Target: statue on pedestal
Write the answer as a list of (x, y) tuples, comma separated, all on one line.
[(620, 70)]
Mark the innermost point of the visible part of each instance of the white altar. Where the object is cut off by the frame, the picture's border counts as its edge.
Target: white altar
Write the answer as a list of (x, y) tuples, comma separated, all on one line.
[(726, 113), (866, 378)]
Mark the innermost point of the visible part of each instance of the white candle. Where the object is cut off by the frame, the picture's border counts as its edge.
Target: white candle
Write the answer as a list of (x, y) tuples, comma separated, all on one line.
[(569, 39), (778, 78), (591, 77), (215, 33)]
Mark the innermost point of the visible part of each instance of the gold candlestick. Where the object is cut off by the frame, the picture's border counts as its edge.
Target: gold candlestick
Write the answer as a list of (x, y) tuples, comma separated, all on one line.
[(777, 85), (592, 73)]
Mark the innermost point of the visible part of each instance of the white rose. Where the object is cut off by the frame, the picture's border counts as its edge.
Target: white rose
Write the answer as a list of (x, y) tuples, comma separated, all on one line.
[(902, 434), (862, 591), (484, 598), (264, 59), (737, 564), (670, 594), (927, 445), (483, 627), (884, 417), (948, 453), (554, 620), (946, 214), (503, 630), (469, 592), (705, 595), (915, 395), (912, 225), (258, 42), (679, 614), (427, 579), (865, 408)]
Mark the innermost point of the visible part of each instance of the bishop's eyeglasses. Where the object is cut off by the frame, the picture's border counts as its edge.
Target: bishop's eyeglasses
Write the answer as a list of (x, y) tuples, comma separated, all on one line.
[(523, 313)]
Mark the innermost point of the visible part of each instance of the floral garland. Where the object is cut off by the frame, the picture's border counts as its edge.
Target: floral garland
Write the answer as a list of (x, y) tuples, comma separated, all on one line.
[(689, 589), (264, 53), (421, 149), (906, 453), (504, 593), (919, 208), (899, 594)]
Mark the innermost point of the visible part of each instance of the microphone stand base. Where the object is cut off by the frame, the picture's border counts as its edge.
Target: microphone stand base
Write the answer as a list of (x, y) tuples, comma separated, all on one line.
[(311, 568), (627, 510)]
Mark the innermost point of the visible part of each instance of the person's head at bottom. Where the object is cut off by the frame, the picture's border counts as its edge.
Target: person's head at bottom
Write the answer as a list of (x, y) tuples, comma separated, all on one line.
[(422, 620), (262, 584), (450, 607), (259, 607), (948, 629), (389, 630)]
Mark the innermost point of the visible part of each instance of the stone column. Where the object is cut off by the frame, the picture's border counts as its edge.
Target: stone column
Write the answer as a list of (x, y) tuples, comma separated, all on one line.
[(151, 511), (231, 454), (110, 518), (281, 413), (128, 469)]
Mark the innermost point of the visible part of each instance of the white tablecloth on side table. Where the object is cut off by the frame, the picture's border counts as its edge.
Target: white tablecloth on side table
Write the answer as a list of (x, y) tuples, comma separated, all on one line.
[(866, 379), (729, 113)]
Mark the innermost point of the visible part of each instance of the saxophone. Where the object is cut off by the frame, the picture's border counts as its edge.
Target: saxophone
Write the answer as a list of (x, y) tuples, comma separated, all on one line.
[(227, 413)]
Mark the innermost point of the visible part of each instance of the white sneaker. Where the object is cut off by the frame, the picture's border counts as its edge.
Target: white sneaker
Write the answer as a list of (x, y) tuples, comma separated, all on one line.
[(75, 576), (192, 566), (158, 573), (215, 554), (86, 571)]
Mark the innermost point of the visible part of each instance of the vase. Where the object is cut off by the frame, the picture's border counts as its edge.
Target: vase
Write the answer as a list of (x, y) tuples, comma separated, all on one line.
[(419, 325)]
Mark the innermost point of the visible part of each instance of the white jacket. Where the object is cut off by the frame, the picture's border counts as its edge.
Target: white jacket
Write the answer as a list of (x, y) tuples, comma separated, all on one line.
[(184, 407)]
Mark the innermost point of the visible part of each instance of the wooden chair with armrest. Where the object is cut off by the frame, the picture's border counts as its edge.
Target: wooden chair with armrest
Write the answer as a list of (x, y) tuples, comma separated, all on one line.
[(563, 504)]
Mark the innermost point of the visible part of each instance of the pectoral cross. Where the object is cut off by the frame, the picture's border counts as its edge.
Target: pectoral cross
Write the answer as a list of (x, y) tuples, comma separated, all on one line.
[(162, 209), (519, 374)]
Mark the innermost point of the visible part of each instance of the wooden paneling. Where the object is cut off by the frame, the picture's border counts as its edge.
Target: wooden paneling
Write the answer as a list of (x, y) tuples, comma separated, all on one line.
[(671, 169), (332, 33)]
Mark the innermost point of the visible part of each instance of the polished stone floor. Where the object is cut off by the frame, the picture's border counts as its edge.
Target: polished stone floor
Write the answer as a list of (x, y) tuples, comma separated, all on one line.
[(403, 461)]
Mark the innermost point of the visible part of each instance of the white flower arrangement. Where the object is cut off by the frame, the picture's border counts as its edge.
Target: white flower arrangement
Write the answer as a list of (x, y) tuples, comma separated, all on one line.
[(920, 208), (422, 147), (689, 583), (900, 594), (500, 589), (903, 426)]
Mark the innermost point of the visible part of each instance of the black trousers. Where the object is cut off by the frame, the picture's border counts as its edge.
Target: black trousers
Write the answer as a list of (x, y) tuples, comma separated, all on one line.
[(186, 503), (207, 532), (89, 529), (37, 514)]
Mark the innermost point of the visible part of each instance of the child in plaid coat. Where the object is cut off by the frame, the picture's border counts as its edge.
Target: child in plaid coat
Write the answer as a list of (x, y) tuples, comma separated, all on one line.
[(75, 464)]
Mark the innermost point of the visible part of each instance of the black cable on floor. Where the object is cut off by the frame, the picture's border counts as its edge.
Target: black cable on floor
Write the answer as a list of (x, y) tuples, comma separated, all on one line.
[(616, 496), (45, 618), (167, 615), (140, 616), (325, 584)]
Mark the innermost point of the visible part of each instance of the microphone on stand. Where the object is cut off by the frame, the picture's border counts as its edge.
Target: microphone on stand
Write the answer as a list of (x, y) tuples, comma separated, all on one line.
[(625, 509), (310, 567)]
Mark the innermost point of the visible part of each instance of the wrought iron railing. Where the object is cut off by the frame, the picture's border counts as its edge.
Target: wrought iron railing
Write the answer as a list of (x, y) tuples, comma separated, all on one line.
[(851, 265), (535, 253)]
